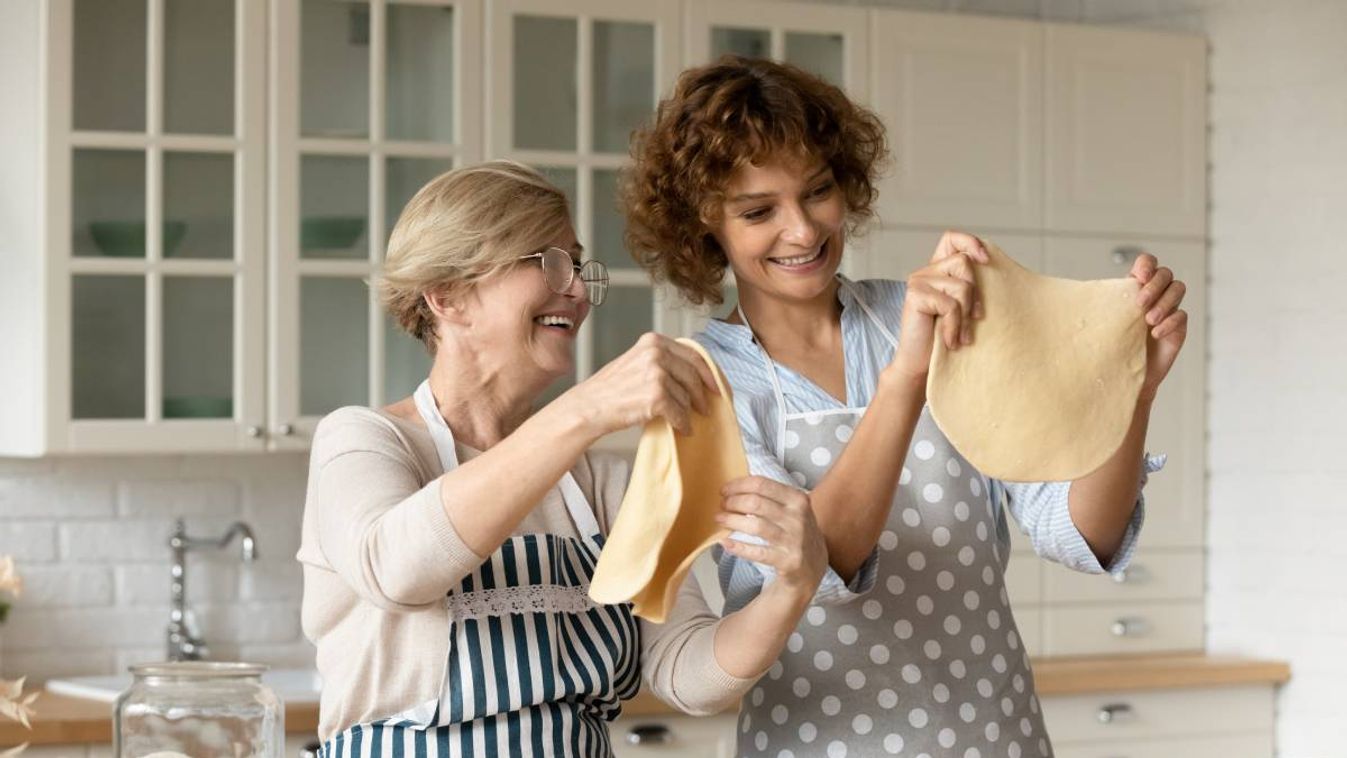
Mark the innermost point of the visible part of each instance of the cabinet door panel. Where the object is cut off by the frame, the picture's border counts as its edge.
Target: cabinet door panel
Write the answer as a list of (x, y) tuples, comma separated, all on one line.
[(965, 121), (1125, 131)]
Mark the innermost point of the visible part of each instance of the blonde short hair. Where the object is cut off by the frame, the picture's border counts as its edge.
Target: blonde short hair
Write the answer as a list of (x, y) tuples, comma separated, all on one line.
[(463, 225)]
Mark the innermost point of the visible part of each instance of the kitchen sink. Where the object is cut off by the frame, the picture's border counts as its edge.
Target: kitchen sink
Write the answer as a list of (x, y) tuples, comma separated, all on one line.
[(295, 686)]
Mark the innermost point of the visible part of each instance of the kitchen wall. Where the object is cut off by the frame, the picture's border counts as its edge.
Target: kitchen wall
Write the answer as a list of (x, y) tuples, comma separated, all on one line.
[(90, 536)]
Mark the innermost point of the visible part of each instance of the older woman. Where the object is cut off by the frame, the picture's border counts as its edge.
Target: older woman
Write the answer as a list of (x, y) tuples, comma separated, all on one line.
[(449, 537), (763, 169)]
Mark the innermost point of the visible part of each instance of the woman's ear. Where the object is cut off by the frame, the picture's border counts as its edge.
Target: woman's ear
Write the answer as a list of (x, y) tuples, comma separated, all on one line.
[(445, 306)]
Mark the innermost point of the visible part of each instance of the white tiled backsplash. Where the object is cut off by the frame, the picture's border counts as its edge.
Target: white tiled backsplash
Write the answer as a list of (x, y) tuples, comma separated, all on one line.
[(90, 536)]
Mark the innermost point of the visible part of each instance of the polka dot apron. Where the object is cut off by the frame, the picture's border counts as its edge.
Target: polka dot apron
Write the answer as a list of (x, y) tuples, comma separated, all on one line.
[(929, 662)]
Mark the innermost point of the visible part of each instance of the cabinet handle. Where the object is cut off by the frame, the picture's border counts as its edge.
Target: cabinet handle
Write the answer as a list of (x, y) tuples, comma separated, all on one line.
[(1133, 574), (254, 431), (1112, 712), (1128, 627), (649, 734), (285, 430), (1124, 254)]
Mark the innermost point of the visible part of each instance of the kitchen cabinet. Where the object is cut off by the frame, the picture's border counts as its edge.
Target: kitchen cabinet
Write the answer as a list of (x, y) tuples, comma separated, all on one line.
[(1209, 721), (566, 85), (1125, 126), (133, 273), (962, 99)]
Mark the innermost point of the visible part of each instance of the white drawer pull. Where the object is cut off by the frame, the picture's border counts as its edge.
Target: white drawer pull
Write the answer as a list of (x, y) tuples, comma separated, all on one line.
[(1134, 574), (649, 734), (1124, 254), (1112, 712), (1129, 627)]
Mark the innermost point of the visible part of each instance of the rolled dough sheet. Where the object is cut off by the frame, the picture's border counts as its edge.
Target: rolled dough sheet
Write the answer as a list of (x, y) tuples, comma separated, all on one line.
[(1047, 390), (667, 517)]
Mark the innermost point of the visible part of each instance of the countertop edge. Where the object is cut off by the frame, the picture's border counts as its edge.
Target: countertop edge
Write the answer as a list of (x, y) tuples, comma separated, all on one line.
[(62, 719)]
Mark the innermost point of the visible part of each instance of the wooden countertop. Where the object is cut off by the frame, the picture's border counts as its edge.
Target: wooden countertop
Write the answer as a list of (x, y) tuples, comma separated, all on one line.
[(63, 719)]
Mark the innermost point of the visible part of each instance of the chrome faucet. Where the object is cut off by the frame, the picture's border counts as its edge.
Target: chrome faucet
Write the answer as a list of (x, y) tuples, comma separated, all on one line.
[(185, 643)]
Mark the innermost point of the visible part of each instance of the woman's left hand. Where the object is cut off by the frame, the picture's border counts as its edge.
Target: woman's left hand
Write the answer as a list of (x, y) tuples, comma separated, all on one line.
[(1160, 297)]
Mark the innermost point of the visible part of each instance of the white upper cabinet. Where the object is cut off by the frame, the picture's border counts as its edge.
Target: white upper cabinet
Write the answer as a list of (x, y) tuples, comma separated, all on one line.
[(1126, 131), (370, 100), (137, 266), (567, 85), (826, 40), (962, 99)]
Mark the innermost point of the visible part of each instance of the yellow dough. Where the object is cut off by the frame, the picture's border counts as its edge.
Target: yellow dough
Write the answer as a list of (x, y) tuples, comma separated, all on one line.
[(667, 515), (1047, 390)]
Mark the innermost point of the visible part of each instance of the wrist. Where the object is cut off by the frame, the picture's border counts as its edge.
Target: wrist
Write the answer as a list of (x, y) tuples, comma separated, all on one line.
[(575, 416), (896, 378)]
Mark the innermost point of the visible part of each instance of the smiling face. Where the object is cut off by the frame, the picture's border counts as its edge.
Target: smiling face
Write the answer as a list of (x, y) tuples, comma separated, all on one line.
[(520, 327), (782, 227)]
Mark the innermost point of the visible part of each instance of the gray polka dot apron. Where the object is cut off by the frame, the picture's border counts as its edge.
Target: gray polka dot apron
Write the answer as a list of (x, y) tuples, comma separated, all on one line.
[(929, 662)]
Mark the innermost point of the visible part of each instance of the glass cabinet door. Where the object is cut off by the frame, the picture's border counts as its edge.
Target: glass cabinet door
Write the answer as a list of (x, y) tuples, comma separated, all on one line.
[(574, 82), (374, 101), (163, 175)]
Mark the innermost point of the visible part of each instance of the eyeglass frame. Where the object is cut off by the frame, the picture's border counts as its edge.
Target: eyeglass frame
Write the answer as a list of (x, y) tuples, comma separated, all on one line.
[(592, 265)]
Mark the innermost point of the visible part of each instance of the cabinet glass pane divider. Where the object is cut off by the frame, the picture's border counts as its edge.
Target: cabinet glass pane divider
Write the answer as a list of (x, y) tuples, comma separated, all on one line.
[(175, 142), (169, 266), (560, 159)]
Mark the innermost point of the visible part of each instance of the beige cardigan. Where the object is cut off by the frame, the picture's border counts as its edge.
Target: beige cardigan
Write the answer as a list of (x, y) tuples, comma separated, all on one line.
[(379, 554)]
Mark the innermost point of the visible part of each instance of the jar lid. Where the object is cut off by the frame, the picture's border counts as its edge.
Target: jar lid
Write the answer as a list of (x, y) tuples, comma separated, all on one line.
[(198, 669)]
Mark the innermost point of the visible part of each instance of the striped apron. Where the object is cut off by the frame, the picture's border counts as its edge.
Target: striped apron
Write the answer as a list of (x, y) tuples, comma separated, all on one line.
[(534, 668)]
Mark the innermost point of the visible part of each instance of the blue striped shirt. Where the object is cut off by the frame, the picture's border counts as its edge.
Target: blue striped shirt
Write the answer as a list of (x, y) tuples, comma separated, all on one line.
[(1040, 508)]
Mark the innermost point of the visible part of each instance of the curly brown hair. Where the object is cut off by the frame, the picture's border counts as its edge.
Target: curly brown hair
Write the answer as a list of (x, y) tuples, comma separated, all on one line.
[(720, 117)]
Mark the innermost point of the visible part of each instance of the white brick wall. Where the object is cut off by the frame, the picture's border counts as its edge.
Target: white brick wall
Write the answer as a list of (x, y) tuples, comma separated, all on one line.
[(90, 535)]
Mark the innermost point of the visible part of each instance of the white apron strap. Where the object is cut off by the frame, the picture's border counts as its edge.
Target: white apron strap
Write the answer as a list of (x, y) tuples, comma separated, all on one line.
[(571, 494)]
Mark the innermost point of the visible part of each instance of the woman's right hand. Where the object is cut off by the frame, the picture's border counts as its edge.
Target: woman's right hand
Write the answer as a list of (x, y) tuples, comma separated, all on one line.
[(782, 516), (943, 288), (657, 377)]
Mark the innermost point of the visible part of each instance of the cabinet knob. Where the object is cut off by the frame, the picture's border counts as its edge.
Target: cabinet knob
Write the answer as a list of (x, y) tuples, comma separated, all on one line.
[(1134, 574), (254, 431), (1124, 254), (649, 734), (1112, 712), (1128, 627), (285, 430)]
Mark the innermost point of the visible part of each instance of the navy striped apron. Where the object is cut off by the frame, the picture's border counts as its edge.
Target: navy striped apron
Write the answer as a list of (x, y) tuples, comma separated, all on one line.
[(534, 667)]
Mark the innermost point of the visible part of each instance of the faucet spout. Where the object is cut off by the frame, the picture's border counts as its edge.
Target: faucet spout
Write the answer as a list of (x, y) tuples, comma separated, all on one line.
[(246, 538)]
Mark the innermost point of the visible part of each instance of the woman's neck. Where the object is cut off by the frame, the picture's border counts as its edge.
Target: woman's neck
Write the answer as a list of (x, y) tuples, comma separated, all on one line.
[(480, 405), (807, 325)]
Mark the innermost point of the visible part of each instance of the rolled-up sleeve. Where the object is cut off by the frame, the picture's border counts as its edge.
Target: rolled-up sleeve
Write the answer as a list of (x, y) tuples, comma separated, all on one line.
[(1042, 512)]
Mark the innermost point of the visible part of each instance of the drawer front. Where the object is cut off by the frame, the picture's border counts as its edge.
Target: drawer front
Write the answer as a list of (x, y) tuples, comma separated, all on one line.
[(1023, 578), (1029, 620), (1123, 628), (1169, 575), (1116, 717), (1253, 745), (674, 736)]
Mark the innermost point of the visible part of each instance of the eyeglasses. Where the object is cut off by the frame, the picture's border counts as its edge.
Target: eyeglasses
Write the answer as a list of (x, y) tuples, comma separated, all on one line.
[(559, 270)]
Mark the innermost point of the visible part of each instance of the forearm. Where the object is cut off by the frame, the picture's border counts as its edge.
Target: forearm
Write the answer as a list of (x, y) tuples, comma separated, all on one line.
[(1102, 502), (513, 475), (748, 641), (851, 502)]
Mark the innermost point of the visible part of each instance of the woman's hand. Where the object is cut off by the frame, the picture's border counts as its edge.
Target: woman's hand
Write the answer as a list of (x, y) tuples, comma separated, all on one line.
[(944, 288), (657, 377), (781, 515), (1160, 297)]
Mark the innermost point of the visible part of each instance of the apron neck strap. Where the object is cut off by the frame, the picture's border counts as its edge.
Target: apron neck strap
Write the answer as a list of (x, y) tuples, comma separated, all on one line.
[(571, 494)]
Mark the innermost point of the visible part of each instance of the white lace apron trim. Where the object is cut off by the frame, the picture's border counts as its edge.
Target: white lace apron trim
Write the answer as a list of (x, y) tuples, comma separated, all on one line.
[(519, 600)]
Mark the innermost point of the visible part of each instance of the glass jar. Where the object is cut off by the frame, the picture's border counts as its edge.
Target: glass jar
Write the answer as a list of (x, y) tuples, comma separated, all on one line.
[(198, 709)]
